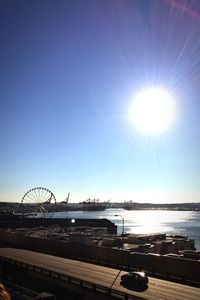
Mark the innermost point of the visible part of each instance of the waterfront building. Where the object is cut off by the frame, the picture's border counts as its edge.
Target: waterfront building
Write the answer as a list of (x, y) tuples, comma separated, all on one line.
[(80, 238)]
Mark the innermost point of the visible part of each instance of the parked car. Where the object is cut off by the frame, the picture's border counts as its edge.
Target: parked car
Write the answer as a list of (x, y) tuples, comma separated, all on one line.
[(135, 278)]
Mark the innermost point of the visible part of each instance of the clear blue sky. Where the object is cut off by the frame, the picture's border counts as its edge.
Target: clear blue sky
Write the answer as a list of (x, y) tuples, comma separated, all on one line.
[(69, 71)]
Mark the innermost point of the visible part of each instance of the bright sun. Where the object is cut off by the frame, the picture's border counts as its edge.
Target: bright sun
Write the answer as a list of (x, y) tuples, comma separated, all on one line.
[(153, 111)]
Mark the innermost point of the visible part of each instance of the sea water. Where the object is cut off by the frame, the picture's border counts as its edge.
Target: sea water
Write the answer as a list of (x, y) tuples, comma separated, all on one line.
[(147, 221)]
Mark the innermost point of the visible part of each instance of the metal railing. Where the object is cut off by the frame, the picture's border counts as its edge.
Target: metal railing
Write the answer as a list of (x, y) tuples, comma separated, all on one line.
[(97, 288)]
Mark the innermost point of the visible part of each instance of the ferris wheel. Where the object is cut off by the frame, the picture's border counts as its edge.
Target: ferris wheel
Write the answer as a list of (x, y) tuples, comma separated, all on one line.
[(38, 200)]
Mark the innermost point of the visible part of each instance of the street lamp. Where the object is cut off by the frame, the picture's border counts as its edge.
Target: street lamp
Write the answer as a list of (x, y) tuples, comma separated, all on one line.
[(122, 222), (122, 250)]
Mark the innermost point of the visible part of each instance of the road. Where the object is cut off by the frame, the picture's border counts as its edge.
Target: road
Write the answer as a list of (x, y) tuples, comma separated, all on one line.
[(104, 276)]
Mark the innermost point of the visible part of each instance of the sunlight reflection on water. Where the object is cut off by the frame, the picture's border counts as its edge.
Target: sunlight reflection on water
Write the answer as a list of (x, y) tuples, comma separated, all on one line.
[(153, 221), (147, 221)]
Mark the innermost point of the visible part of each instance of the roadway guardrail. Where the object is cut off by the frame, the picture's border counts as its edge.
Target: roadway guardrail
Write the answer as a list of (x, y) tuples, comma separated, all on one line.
[(72, 280)]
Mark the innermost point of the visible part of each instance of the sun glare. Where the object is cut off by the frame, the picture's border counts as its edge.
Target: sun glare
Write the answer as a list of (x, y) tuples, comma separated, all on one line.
[(153, 111)]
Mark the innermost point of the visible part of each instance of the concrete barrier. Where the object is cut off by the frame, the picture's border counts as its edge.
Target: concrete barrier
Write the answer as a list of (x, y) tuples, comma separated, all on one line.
[(184, 269), (181, 268)]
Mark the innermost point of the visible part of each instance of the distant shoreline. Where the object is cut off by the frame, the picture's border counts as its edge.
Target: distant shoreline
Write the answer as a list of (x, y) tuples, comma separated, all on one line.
[(129, 205)]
